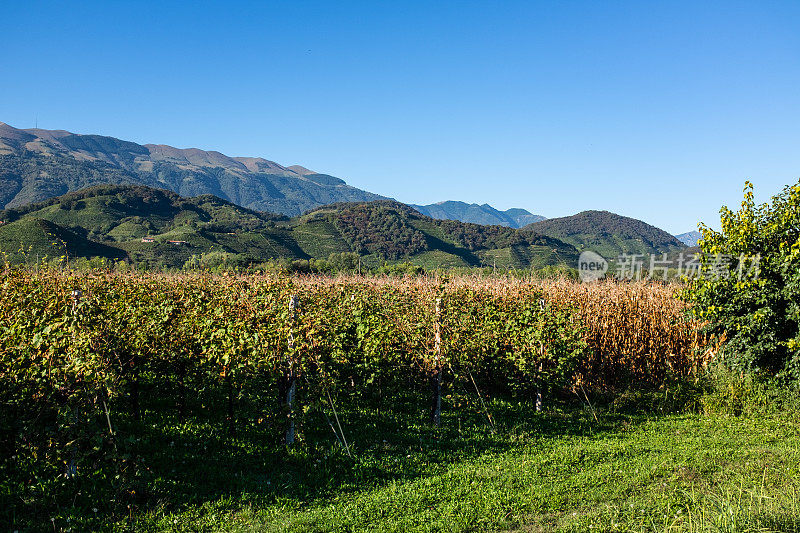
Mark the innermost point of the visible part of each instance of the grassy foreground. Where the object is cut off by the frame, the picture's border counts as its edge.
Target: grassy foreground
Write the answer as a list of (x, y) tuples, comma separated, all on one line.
[(560, 470)]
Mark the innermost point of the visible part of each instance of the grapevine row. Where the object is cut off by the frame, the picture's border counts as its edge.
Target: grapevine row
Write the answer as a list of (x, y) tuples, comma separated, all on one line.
[(78, 348)]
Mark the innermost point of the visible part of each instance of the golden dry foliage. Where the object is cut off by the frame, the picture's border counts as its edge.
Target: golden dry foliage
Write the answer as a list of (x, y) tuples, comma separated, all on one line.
[(638, 332)]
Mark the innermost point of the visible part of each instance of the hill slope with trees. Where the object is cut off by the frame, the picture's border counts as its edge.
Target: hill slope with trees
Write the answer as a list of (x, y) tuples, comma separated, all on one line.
[(608, 234), (158, 228)]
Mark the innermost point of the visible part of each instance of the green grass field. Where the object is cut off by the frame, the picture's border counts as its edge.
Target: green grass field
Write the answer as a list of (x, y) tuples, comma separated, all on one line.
[(559, 470)]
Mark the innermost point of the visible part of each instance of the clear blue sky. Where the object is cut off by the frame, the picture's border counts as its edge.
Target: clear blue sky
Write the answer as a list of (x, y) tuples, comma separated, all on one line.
[(656, 110)]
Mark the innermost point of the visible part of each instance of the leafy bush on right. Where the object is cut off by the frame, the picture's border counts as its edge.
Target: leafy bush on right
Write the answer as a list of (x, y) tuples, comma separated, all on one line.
[(749, 287)]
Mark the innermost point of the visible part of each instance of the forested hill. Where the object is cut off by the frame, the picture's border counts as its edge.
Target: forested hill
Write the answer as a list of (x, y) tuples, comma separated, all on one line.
[(38, 164), (608, 234), (393, 229), (155, 227)]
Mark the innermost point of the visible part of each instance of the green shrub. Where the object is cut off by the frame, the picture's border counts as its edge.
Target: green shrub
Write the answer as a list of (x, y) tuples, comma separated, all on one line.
[(401, 269), (215, 260), (748, 289)]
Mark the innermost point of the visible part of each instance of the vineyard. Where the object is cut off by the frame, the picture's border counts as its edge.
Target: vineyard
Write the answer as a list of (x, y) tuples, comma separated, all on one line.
[(86, 358)]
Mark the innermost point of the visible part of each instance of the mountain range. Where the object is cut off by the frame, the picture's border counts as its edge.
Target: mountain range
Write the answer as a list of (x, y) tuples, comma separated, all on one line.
[(478, 214), (45, 173), (38, 164)]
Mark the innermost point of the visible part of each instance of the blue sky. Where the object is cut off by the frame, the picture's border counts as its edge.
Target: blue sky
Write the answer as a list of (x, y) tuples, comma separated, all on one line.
[(656, 110)]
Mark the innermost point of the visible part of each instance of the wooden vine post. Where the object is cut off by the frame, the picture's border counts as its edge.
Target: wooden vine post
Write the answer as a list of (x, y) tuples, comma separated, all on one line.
[(290, 382), (539, 379), (436, 377), (71, 465), (543, 308)]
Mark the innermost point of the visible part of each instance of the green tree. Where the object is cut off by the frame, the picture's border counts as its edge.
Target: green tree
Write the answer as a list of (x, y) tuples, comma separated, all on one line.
[(748, 289)]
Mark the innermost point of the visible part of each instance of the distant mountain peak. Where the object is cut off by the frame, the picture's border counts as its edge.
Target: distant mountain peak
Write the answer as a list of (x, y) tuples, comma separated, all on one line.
[(303, 171), (483, 214), (690, 238)]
